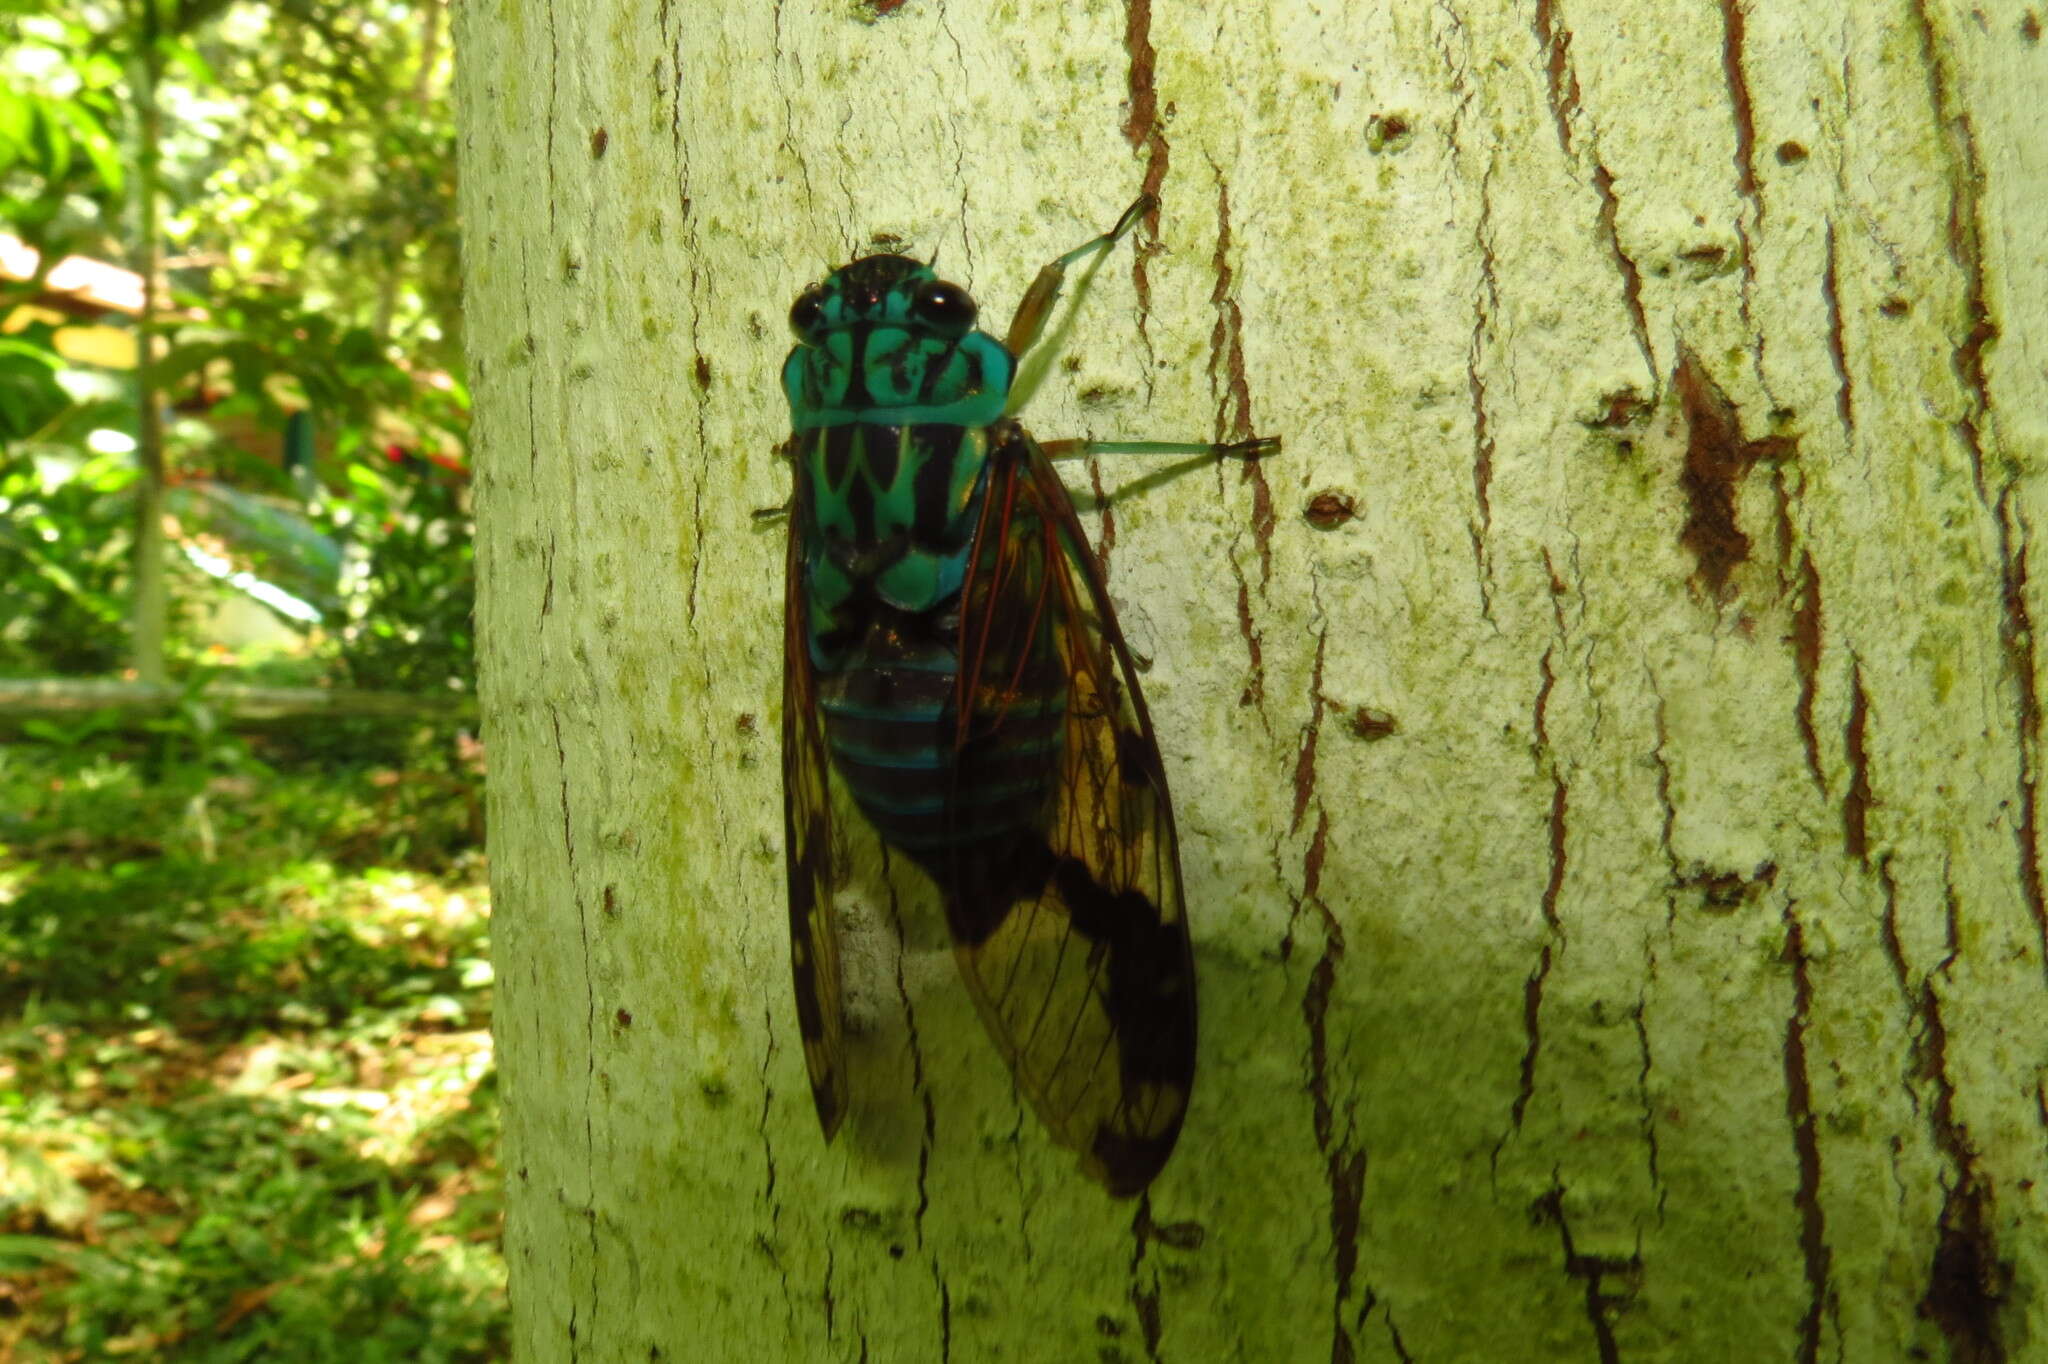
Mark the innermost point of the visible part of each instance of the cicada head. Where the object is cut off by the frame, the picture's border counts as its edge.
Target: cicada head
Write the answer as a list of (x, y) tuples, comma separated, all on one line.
[(885, 341)]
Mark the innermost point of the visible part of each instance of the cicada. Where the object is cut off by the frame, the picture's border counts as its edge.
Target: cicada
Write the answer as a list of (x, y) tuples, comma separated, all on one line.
[(951, 654)]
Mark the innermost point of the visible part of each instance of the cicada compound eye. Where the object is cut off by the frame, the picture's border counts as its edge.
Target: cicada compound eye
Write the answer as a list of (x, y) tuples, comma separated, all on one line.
[(945, 308), (807, 315)]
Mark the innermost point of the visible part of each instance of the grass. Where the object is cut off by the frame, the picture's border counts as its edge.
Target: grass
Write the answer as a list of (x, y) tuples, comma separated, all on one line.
[(247, 1109)]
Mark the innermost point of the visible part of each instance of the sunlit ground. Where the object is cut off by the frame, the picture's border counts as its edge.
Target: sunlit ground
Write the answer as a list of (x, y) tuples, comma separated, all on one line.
[(247, 1108)]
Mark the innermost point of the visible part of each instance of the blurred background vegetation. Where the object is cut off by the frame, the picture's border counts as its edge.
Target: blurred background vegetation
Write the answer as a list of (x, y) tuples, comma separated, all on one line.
[(246, 1097)]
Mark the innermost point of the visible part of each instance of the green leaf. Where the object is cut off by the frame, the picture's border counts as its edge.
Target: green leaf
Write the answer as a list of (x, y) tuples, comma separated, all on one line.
[(180, 51), (92, 137), (17, 122), (56, 142)]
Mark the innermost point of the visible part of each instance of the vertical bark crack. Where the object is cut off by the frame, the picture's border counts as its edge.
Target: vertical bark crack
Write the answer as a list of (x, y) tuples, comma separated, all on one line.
[(1565, 106), (1805, 1143), (1643, 1081), (2017, 634), (1305, 762), (1631, 277), (1532, 987), (767, 1104), (1226, 351), (1344, 1163), (1254, 693), (1807, 626), (1394, 1339), (1967, 1280), (1556, 41), (1485, 304), (1838, 350), (1665, 800), (1856, 804), (917, 1080), (1733, 21), (1145, 1297), (1593, 1271), (1966, 248), (831, 1305), (1143, 130), (1105, 539)]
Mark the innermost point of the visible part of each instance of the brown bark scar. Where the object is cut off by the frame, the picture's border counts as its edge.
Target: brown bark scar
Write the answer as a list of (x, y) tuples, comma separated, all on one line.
[(1717, 458)]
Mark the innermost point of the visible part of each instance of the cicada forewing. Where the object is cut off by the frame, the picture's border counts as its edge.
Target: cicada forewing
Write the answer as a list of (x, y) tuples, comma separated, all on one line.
[(1071, 933), (808, 850)]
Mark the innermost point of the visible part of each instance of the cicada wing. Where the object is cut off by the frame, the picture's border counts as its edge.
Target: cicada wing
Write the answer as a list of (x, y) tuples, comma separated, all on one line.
[(808, 852), (1070, 930)]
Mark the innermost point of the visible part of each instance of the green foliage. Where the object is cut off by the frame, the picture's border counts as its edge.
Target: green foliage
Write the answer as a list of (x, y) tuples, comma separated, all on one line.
[(338, 173), (63, 565), (305, 173), (410, 607), (30, 396), (246, 1107), (62, 110), (245, 1098)]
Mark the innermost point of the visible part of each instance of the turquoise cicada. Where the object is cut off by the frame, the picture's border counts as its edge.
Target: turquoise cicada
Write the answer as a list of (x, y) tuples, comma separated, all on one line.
[(949, 644)]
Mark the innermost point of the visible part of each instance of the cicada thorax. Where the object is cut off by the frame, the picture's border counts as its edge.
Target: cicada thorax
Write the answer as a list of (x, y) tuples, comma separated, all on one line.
[(891, 513)]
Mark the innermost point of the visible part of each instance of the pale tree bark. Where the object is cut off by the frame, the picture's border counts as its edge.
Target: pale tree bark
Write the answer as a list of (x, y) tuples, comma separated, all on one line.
[(1605, 741)]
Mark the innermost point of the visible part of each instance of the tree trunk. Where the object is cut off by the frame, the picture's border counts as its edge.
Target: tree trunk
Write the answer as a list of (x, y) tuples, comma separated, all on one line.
[(1605, 741), (149, 599)]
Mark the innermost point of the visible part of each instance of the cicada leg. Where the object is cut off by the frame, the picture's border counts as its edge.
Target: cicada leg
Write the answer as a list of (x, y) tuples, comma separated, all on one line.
[(1029, 321), (1027, 326), (1256, 448), (1198, 454)]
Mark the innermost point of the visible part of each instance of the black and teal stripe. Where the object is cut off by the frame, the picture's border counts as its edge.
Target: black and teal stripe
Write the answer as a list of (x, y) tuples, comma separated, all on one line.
[(891, 726)]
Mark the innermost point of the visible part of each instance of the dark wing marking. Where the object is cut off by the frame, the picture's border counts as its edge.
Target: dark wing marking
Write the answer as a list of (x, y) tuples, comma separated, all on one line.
[(807, 850), (1072, 933)]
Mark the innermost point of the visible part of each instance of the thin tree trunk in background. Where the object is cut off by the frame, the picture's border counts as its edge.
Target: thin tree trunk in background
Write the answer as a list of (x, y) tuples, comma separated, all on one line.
[(431, 16), (149, 606), (1605, 741)]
